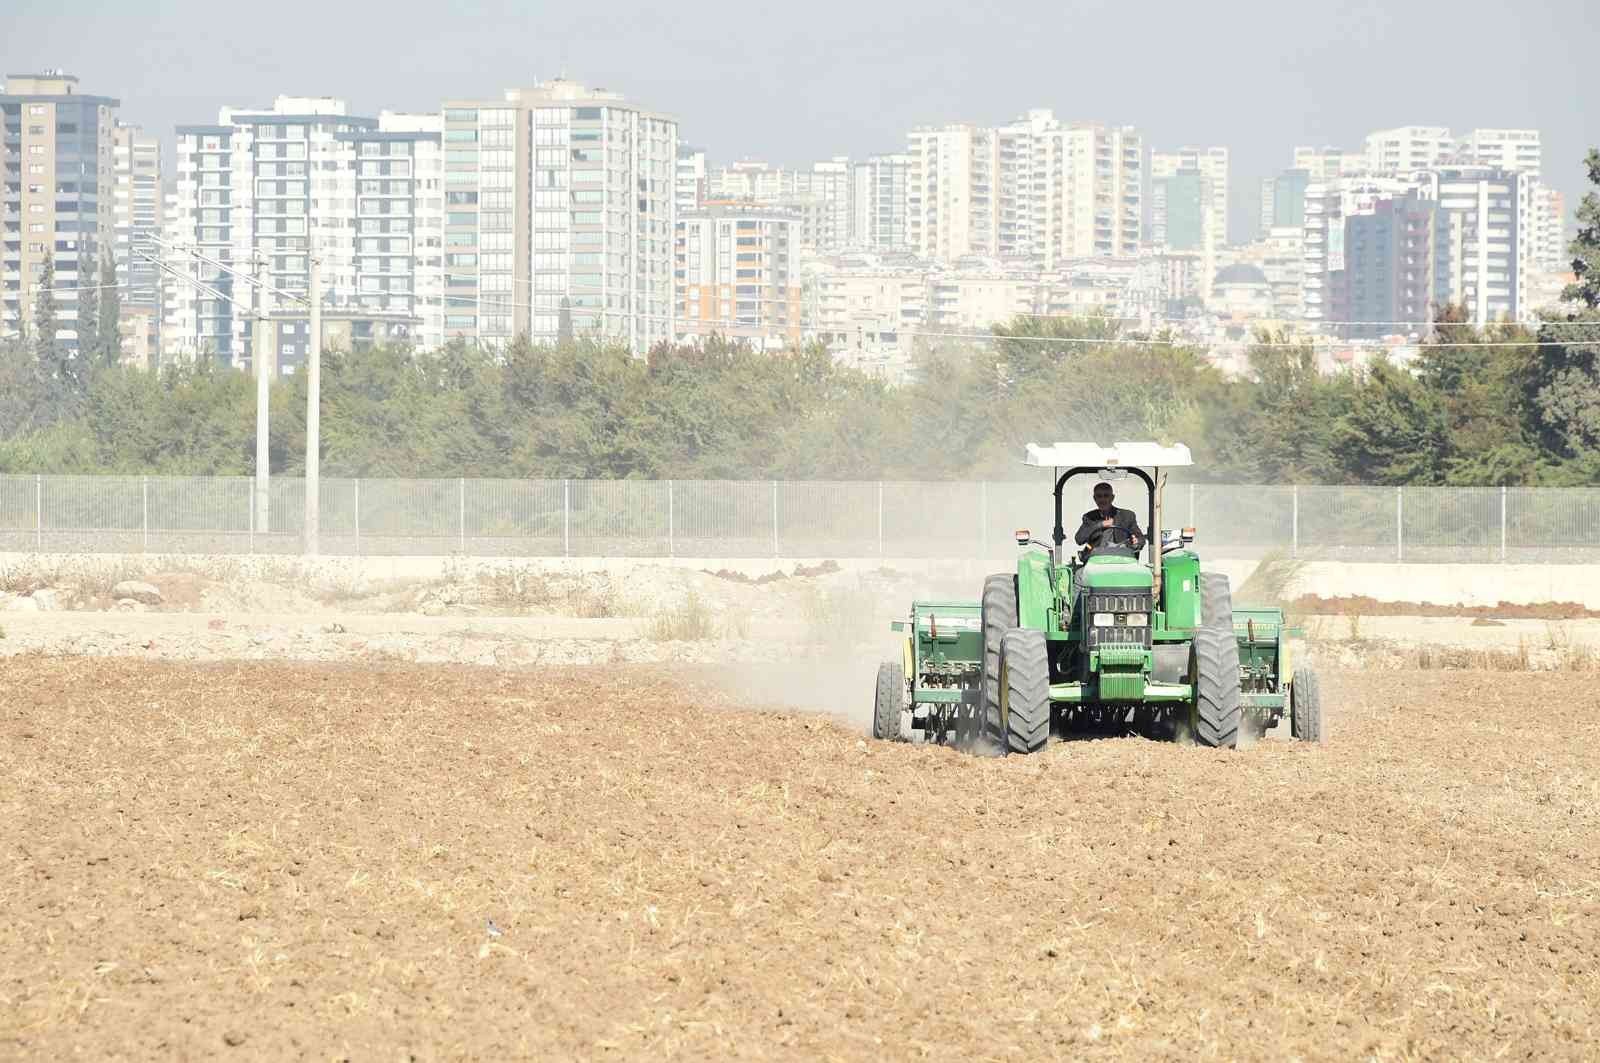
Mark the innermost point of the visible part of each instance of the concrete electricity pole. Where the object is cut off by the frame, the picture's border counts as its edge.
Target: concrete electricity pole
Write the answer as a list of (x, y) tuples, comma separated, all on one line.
[(264, 365), (313, 405)]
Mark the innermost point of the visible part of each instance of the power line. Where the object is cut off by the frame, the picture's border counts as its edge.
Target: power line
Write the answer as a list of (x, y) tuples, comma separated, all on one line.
[(187, 249), (194, 281)]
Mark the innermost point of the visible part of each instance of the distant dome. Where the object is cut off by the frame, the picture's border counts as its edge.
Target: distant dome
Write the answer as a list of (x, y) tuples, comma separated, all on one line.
[(1241, 273)]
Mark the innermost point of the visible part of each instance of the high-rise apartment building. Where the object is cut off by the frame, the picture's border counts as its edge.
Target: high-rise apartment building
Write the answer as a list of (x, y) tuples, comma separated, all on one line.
[(831, 183), (394, 176), (603, 221), (57, 202), (259, 193), (1389, 266), (690, 187), (1180, 211), (1484, 243), (140, 214), (1283, 200), (558, 212), (1101, 209), (1550, 231), (1409, 149), (1327, 205), (753, 180), (738, 274), (488, 193), (1211, 165), (950, 198), (1036, 188), (1328, 163), (1518, 150), (824, 195), (881, 184)]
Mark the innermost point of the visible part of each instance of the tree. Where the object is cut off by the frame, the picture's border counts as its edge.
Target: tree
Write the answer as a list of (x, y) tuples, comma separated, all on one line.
[(59, 379), (44, 322), (110, 331), (1394, 432), (1585, 250), (88, 323)]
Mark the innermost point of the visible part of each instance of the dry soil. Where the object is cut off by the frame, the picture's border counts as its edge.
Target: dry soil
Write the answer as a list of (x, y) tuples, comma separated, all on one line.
[(289, 860)]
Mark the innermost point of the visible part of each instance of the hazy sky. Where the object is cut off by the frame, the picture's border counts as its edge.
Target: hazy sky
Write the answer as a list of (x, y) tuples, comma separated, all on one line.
[(796, 82)]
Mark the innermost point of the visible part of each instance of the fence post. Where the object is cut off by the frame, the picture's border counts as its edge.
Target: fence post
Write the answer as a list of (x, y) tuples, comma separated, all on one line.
[(1294, 521), (1193, 521), (252, 541), (1399, 524), (566, 518), (1502, 524), (38, 513), (775, 518), (671, 523), (144, 513), (358, 516), (461, 499)]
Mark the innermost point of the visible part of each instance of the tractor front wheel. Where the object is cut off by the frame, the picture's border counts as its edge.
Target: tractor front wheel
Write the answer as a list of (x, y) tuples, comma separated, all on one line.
[(1217, 701), (888, 701), (1305, 706), (1024, 710)]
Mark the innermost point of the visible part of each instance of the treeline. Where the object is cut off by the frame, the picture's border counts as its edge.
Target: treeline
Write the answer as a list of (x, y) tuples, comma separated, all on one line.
[(1503, 406)]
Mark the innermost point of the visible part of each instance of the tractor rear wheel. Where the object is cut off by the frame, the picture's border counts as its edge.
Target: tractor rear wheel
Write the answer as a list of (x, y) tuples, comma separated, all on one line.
[(1217, 712), (887, 702), (1305, 706), (1024, 692), (999, 616)]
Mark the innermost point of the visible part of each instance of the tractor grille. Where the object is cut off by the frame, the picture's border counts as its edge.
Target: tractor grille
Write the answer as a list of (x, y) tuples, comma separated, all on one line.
[(1118, 605)]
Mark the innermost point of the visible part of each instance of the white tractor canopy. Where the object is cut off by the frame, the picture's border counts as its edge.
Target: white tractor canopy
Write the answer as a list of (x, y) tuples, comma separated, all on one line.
[(1118, 456)]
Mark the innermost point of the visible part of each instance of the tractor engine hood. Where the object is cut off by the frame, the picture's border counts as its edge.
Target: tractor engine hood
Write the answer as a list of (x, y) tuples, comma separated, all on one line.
[(1120, 573)]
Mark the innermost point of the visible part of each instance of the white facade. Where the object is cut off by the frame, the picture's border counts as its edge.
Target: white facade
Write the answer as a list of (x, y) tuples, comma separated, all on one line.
[(1516, 150), (1101, 209), (1409, 149), (1327, 163), (395, 177), (140, 211), (832, 185), (881, 216), (1036, 188), (261, 187), (262, 191), (950, 195), (602, 232), (754, 180), (1550, 231), (690, 189), (1483, 248)]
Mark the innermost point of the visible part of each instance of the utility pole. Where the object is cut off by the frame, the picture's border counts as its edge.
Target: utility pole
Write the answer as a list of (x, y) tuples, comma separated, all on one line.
[(264, 364), (313, 402)]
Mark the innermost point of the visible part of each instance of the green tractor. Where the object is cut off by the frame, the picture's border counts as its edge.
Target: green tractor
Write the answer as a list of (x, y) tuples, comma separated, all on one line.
[(1126, 637)]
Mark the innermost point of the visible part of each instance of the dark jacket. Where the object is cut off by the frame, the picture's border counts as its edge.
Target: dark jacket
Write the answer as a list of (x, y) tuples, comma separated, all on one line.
[(1125, 527)]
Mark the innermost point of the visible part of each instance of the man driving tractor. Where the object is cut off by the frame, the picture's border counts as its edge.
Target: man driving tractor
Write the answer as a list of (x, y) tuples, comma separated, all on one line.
[(1107, 528)]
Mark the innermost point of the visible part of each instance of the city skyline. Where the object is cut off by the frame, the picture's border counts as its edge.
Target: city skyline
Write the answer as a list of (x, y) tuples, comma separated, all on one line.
[(855, 83)]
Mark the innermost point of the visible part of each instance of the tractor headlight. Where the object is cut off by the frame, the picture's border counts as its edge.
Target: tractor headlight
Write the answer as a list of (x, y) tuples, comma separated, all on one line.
[(1104, 620), (1138, 620)]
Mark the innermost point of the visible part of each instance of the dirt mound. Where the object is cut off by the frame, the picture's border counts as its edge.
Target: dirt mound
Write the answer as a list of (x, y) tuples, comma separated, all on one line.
[(1360, 605), (294, 860)]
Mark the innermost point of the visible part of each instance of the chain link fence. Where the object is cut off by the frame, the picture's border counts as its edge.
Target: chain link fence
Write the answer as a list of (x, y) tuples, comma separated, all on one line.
[(706, 519)]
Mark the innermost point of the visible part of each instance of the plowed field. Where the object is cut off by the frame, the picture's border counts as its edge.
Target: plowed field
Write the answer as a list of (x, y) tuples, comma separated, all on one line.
[(293, 861)]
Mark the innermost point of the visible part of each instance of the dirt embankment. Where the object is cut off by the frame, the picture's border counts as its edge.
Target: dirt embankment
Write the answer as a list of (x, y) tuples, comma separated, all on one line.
[(1361, 605), (280, 861)]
